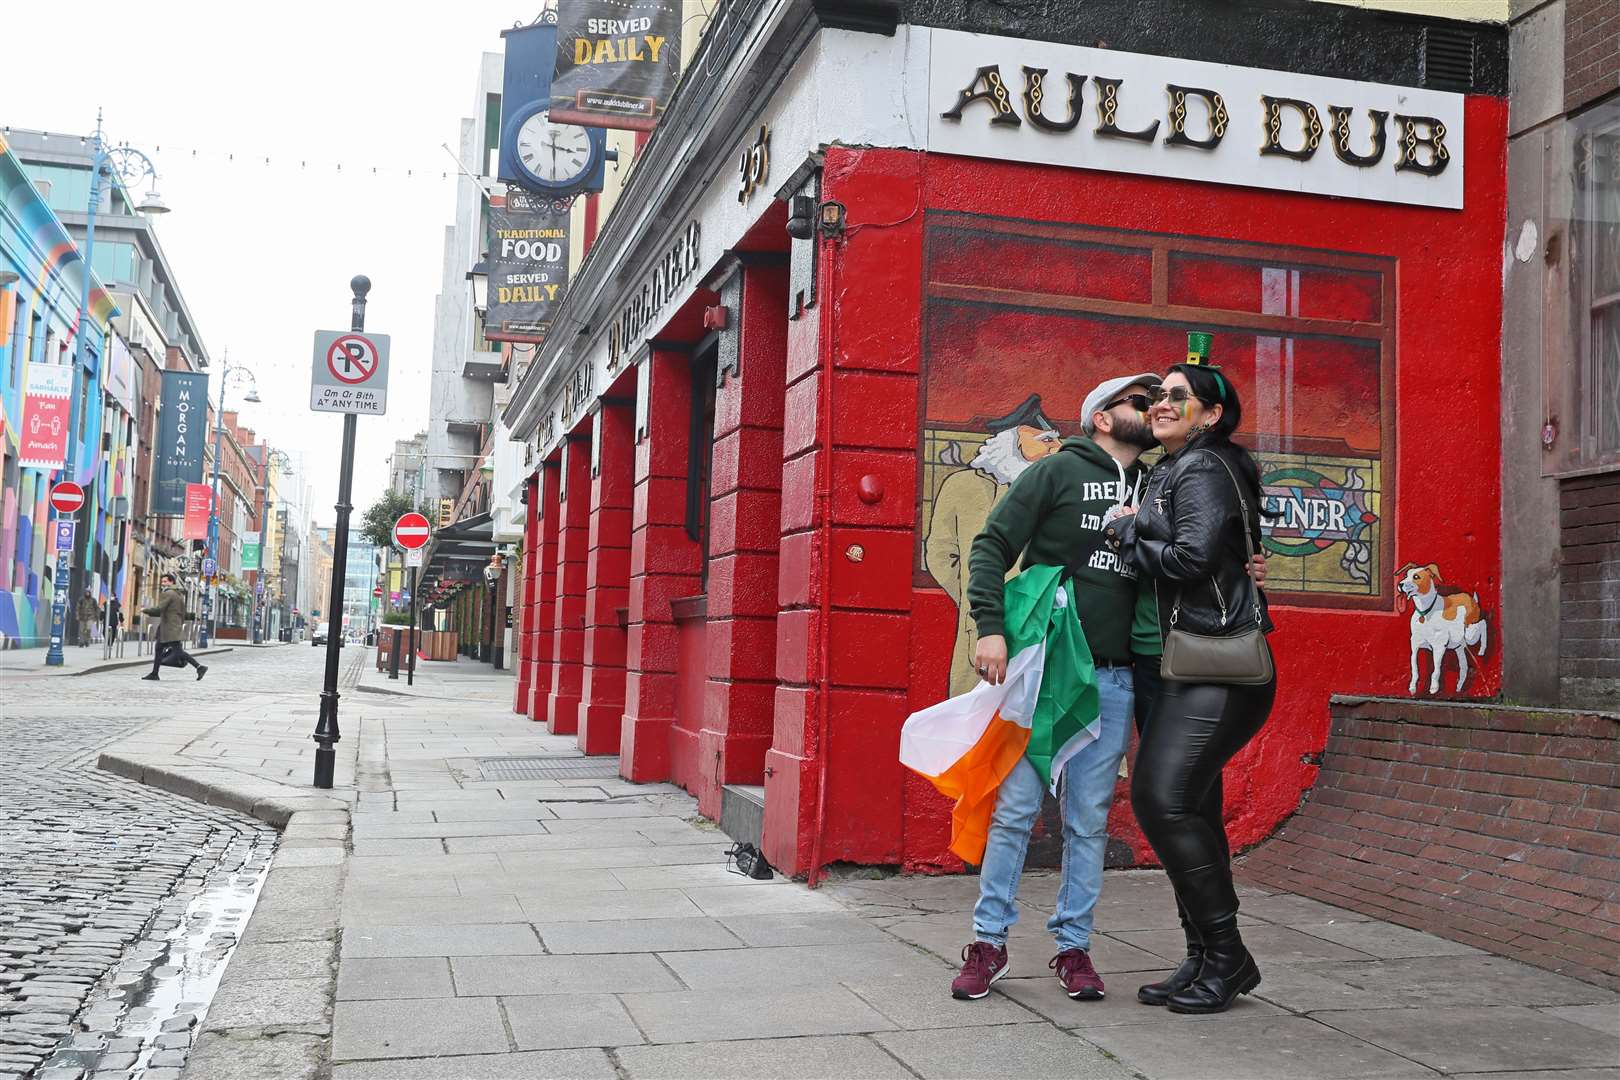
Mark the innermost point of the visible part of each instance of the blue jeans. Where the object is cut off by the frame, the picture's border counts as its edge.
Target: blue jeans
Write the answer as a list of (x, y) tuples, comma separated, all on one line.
[(1085, 793)]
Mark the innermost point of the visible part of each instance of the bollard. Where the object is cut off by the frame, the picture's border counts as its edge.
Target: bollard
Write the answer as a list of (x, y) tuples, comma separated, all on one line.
[(393, 656)]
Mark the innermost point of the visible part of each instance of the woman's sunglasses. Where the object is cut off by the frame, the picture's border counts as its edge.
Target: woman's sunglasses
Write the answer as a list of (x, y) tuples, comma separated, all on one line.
[(1176, 395)]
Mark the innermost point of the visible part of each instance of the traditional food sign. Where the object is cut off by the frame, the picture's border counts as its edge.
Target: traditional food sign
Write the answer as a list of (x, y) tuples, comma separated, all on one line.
[(528, 266), (617, 62), (1021, 100)]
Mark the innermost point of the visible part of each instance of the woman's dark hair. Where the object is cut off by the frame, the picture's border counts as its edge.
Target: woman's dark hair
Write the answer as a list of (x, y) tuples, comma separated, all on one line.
[(1211, 386)]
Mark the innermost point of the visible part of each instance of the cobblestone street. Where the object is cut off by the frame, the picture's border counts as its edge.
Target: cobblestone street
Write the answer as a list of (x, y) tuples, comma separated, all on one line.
[(114, 895)]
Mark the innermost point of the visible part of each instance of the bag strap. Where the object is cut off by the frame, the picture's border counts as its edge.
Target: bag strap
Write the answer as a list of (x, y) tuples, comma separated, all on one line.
[(1250, 545)]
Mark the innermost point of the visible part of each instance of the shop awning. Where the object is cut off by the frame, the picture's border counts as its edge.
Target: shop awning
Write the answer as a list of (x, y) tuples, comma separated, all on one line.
[(460, 545)]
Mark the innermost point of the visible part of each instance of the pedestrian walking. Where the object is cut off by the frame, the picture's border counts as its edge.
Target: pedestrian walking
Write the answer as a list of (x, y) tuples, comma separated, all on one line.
[(88, 613), (1052, 516), (115, 619), (1195, 533), (170, 611)]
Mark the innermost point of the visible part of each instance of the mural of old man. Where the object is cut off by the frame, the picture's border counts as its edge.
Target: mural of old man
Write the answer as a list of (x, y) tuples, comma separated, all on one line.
[(962, 505)]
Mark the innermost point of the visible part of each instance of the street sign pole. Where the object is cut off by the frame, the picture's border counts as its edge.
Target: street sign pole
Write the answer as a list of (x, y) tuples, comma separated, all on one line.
[(326, 728), (410, 662), (53, 655), (66, 498)]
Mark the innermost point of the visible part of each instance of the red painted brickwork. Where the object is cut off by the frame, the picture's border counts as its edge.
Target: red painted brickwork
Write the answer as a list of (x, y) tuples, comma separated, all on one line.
[(1591, 51), (568, 644), (660, 570), (607, 577), (542, 646), (1490, 825), (744, 534), (529, 575)]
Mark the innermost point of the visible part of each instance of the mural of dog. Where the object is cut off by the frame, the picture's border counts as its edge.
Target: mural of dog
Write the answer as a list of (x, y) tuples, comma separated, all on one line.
[(1444, 617)]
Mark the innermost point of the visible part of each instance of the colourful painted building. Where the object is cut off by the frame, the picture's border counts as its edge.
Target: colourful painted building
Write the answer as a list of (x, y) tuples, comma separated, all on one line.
[(41, 276)]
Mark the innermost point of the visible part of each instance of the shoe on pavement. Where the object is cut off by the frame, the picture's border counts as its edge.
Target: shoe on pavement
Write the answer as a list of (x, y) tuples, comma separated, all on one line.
[(149, 678), (982, 964), (1080, 980), (202, 669)]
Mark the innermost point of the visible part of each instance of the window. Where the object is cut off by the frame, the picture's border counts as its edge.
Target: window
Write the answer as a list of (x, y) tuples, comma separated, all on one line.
[(1022, 318), (1595, 284)]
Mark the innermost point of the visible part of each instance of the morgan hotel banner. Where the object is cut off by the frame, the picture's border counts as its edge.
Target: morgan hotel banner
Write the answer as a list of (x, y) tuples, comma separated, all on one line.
[(528, 266), (617, 62), (181, 429)]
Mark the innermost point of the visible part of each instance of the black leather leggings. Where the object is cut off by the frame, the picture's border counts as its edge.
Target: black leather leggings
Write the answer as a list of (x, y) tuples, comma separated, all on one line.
[(1193, 730)]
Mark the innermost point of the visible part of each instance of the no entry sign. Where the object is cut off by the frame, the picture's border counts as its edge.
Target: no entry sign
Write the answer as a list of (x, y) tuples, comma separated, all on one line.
[(67, 497), (411, 531), (349, 373)]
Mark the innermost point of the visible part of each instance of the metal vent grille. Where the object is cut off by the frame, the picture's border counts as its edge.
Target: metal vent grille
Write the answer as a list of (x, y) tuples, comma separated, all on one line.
[(549, 768), (1448, 58)]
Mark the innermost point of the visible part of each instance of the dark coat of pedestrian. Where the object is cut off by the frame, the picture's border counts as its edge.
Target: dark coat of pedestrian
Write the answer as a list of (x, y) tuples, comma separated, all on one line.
[(170, 611)]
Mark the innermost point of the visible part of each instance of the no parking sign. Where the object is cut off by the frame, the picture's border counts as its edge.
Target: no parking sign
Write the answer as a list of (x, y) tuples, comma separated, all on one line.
[(349, 373)]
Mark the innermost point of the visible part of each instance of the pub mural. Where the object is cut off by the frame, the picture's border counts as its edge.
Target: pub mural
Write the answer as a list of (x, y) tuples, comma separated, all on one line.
[(1023, 318)]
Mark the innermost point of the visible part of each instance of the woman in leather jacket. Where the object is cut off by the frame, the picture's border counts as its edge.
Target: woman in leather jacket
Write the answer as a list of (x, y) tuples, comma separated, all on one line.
[(1189, 537)]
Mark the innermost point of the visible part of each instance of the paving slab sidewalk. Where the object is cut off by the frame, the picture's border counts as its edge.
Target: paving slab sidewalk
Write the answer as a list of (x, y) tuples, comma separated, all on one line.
[(429, 921)]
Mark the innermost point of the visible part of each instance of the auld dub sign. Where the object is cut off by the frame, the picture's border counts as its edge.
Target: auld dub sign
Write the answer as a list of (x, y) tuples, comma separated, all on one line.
[(1036, 101)]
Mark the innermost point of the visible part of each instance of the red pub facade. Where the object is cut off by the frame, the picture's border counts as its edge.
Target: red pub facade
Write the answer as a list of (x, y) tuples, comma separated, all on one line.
[(863, 275)]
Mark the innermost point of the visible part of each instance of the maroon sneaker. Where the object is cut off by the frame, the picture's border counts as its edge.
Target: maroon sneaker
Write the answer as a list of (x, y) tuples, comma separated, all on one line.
[(1080, 980), (982, 964)]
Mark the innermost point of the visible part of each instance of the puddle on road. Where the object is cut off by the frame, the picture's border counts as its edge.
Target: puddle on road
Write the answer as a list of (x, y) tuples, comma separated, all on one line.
[(145, 1016)]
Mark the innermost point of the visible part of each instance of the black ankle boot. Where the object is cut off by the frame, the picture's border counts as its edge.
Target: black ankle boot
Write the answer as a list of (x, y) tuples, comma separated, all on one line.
[(1228, 970), (1159, 992)]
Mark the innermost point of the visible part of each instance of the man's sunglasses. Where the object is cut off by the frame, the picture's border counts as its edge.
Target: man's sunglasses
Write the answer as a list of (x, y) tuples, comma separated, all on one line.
[(1139, 402)]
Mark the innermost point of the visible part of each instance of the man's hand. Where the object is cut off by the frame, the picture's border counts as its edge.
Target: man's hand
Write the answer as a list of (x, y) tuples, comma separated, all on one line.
[(1257, 569), (991, 659)]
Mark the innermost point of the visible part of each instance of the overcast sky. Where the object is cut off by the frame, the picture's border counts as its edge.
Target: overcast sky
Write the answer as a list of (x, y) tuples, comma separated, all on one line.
[(264, 251)]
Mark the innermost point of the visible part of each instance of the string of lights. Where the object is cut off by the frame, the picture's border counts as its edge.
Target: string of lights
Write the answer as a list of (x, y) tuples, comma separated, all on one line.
[(169, 154)]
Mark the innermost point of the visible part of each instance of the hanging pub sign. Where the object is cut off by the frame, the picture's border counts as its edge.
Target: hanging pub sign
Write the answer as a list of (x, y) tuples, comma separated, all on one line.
[(1020, 100), (182, 423), (617, 62), (528, 267)]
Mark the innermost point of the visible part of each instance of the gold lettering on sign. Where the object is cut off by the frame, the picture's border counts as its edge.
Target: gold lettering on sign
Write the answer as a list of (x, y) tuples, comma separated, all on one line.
[(1341, 137), (1215, 109), (1108, 113), (1411, 141), (1422, 139), (988, 88), (1309, 118), (1035, 94), (756, 165)]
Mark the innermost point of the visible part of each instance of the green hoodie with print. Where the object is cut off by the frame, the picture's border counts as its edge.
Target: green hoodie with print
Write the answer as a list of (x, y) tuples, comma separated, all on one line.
[(1053, 516)]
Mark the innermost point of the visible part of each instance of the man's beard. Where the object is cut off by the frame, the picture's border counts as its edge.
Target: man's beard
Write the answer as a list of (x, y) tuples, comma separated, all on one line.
[(1134, 432)]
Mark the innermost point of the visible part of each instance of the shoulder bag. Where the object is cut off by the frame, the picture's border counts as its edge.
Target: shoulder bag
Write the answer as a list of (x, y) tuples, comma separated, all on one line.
[(1242, 659)]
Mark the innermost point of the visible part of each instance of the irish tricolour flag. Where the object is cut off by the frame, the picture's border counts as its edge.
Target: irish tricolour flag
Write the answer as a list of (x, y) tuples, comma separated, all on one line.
[(1046, 710)]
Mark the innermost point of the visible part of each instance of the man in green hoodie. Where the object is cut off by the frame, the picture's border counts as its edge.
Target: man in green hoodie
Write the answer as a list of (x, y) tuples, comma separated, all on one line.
[(1053, 515)]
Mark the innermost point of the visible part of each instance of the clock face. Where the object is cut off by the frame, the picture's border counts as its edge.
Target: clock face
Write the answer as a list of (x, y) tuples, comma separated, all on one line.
[(555, 153)]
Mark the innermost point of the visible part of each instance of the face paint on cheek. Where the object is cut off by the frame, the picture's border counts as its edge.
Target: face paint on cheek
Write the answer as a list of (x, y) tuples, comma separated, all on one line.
[(1183, 409)]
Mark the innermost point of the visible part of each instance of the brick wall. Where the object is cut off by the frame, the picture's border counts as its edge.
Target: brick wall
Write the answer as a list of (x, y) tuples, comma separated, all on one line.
[(1494, 826), (1591, 51), (1589, 589)]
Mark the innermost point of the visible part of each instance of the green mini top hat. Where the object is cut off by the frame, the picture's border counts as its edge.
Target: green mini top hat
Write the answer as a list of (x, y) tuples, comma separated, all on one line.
[(1199, 345)]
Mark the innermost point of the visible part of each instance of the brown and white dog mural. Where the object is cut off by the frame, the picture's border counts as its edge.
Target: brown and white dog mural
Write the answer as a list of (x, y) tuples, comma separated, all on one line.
[(1444, 618)]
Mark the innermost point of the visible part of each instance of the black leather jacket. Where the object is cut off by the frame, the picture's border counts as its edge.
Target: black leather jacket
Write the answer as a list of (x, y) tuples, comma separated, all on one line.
[(1188, 538)]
